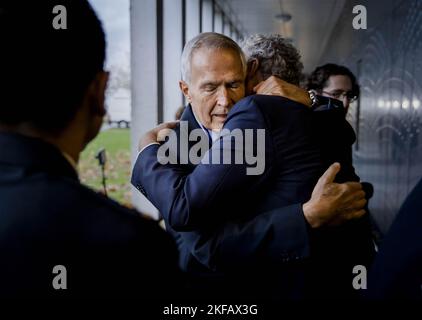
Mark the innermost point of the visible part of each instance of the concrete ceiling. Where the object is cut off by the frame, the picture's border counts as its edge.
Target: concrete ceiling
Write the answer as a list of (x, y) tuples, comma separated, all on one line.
[(310, 27)]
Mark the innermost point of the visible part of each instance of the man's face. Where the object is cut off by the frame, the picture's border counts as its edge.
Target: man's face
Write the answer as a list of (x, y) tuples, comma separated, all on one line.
[(339, 87), (216, 84)]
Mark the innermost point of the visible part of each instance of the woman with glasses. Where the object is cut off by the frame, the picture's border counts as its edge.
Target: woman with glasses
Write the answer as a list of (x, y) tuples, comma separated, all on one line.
[(338, 82), (334, 81)]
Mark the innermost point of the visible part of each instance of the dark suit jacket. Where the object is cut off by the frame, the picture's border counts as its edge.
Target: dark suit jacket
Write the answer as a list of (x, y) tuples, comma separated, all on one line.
[(48, 218), (397, 269), (221, 206)]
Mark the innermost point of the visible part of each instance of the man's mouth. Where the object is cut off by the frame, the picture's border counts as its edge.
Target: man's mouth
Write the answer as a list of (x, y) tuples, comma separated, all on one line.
[(220, 115)]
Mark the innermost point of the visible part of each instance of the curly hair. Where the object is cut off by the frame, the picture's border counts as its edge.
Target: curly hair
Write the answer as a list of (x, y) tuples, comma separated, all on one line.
[(317, 80), (276, 56)]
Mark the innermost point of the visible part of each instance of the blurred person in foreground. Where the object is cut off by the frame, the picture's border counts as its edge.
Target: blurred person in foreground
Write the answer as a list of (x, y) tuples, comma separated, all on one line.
[(60, 239)]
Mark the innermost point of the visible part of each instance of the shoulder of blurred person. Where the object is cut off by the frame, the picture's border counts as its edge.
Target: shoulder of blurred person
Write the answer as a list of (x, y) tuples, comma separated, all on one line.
[(397, 270), (107, 249)]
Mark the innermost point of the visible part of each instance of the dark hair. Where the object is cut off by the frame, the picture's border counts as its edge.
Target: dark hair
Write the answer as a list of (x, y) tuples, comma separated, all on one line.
[(45, 72), (319, 77)]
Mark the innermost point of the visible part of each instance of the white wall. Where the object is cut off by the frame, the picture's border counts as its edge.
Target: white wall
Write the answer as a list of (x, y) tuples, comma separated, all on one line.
[(207, 16), (192, 19), (172, 49), (218, 21), (144, 81)]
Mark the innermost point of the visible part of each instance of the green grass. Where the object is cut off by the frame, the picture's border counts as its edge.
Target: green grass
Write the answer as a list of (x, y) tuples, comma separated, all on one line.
[(116, 142)]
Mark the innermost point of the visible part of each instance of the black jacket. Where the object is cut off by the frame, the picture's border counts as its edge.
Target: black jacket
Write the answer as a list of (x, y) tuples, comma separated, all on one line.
[(397, 269), (47, 218)]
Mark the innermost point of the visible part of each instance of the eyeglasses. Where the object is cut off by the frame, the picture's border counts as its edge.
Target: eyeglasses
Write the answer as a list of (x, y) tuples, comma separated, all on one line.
[(341, 95)]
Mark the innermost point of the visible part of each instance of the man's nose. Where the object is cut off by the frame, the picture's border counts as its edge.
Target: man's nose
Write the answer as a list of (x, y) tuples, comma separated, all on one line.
[(223, 99)]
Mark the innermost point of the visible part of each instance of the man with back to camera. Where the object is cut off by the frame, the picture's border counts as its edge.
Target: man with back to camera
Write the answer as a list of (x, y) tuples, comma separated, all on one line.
[(247, 240), (60, 239)]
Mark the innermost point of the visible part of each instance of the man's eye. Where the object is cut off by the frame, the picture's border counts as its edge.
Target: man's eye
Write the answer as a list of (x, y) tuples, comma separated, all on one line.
[(234, 85), (209, 88)]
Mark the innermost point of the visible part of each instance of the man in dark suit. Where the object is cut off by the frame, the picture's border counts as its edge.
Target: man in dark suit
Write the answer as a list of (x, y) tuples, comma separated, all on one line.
[(397, 269), (60, 239), (219, 204)]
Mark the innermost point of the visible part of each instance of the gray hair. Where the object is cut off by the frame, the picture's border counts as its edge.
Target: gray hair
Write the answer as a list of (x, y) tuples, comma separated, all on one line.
[(209, 40), (276, 56)]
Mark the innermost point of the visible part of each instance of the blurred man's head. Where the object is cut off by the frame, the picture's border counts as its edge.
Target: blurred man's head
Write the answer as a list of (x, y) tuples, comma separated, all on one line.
[(335, 81), (49, 78), (213, 74), (269, 55)]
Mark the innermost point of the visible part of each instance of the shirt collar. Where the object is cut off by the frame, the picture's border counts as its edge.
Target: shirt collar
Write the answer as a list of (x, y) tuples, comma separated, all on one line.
[(213, 135)]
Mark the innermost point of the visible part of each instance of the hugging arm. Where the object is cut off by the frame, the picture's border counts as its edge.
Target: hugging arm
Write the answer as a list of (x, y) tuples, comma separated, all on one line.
[(183, 199)]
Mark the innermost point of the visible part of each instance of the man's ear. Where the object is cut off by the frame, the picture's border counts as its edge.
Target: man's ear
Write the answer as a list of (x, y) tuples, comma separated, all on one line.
[(97, 93), (184, 87), (253, 66)]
